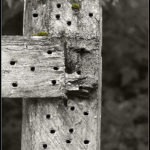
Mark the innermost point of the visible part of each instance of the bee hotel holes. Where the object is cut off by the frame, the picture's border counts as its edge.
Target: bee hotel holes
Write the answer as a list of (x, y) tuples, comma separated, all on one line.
[(12, 62), (49, 52), (55, 68), (32, 68), (71, 130), (48, 116), (86, 113), (86, 141), (52, 131), (90, 14), (68, 141), (79, 72), (53, 82), (57, 16), (14, 84), (44, 146), (58, 5), (72, 108), (69, 23), (35, 14)]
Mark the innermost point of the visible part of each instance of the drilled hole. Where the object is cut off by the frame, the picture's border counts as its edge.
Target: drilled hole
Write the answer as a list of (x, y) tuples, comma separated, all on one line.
[(72, 108), (69, 23), (44, 146), (86, 113), (80, 87), (57, 16), (86, 141), (52, 131), (55, 68), (68, 141), (58, 5), (71, 130), (48, 116), (79, 72), (54, 82), (12, 62), (32, 68), (14, 84), (35, 15), (90, 14), (49, 52)]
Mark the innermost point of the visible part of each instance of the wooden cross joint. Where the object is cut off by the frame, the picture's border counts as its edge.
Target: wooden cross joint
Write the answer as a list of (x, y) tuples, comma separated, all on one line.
[(35, 67), (64, 67)]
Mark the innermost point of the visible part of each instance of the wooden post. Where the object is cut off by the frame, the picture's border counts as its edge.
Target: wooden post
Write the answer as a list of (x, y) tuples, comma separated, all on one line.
[(61, 108)]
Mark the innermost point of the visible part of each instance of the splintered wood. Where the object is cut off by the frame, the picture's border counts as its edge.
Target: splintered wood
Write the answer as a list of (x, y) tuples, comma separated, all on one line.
[(72, 123), (32, 67)]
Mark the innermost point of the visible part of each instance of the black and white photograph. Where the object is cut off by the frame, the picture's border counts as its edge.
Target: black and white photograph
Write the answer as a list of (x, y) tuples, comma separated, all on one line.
[(74, 74)]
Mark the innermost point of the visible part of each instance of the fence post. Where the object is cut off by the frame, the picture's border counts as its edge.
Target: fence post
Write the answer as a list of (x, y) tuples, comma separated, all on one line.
[(72, 122)]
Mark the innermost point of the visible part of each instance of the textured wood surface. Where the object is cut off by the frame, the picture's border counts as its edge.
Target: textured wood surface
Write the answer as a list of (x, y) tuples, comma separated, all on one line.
[(46, 122), (32, 67)]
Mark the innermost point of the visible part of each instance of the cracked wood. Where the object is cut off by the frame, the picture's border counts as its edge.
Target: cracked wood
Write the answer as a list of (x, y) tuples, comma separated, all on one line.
[(32, 67), (81, 111)]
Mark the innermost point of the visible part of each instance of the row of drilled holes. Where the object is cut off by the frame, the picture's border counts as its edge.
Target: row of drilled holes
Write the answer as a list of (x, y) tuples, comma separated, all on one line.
[(58, 15), (68, 142), (32, 68), (71, 130)]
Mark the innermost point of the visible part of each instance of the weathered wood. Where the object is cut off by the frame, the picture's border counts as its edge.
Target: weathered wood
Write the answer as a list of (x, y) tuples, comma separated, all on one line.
[(81, 111), (32, 67)]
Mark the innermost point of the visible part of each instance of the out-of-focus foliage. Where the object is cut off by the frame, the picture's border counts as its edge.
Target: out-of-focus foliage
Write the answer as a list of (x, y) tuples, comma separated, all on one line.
[(125, 75), (11, 124), (12, 17)]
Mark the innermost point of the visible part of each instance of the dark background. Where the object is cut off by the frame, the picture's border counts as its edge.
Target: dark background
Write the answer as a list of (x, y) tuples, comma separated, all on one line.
[(125, 76)]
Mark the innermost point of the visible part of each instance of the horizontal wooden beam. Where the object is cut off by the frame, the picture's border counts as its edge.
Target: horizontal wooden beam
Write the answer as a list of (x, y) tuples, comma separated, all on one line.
[(32, 67)]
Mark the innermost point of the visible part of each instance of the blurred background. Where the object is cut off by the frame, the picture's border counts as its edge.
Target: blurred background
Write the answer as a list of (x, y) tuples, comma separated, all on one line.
[(125, 76)]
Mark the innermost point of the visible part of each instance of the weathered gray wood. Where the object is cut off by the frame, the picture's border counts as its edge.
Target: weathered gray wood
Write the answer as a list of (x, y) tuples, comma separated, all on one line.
[(27, 62), (82, 108)]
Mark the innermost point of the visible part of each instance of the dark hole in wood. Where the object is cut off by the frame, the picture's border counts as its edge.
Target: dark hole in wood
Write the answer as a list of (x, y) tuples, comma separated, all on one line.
[(32, 68), (68, 141), (55, 68), (72, 108), (80, 87), (44, 146), (57, 16), (71, 130), (35, 15), (58, 5), (91, 14), (86, 113), (86, 141), (79, 72), (48, 116), (12, 62), (14, 84), (52, 131), (54, 82), (69, 23), (49, 52)]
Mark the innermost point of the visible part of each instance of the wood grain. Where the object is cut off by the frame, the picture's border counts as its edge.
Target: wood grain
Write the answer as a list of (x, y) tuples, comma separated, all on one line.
[(26, 62), (82, 49)]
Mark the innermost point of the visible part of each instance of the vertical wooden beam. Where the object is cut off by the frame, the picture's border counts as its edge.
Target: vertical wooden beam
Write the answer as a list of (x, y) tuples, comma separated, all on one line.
[(72, 123)]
